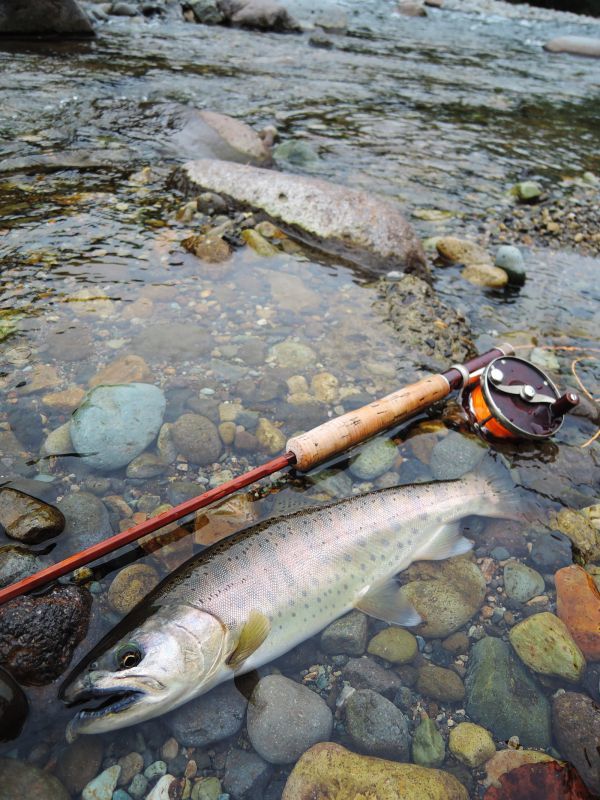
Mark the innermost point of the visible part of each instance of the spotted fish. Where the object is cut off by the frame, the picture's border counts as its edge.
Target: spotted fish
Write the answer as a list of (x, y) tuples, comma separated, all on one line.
[(254, 596)]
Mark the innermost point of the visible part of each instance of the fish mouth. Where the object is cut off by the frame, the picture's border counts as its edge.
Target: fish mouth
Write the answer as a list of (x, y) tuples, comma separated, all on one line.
[(107, 703)]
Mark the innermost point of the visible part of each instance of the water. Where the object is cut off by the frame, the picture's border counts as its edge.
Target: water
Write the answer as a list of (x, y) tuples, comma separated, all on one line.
[(442, 113)]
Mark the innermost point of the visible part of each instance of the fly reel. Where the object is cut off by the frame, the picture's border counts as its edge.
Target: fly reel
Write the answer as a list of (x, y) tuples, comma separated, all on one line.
[(513, 399)]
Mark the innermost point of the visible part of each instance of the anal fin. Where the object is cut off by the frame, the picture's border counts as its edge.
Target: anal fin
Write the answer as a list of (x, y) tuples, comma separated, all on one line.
[(447, 541), (253, 634), (383, 601)]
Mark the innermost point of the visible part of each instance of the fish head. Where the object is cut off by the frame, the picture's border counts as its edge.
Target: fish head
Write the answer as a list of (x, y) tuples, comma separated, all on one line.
[(147, 670)]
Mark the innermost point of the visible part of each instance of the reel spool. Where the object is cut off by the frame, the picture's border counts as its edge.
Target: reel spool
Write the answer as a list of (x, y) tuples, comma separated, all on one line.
[(513, 399)]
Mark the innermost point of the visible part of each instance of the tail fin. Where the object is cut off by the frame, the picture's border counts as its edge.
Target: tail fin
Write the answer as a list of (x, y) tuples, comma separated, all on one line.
[(504, 498)]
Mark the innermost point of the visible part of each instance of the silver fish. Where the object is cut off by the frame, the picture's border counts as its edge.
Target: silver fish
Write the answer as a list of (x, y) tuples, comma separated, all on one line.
[(254, 596)]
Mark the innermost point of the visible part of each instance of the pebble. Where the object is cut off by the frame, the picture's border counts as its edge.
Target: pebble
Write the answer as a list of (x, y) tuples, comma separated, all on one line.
[(285, 718), (461, 251), (346, 635), (395, 645), (576, 728), (172, 341), (155, 770), (27, 519), (485, 275), (521, 583), (457, 643), (146, 465), (578, 606), (131, 765), (329, 770), (209, 718), (471, 744), (375, 458), (246, 774), (454, 455), (79, 763), (375, 726), (130, 586), (295, 152), (544, 644), (87, 519), (14, 707), (39, 633), (440, 684), (23, 780), (365, 673), (551, 551), (138, 786), (197, 438), (428, 748), (447, 595), (509, 259), (103, 785), (116, 423), (269, 436), (501, 695), (527, 191), (575, 45), (121, 794)]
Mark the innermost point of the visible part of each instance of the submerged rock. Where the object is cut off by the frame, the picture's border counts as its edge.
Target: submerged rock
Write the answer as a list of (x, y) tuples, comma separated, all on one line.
[(208, 134), (347, 635), (13, 708), (262, 15), (39, 634), (246, 774), (23, 780), (43, 18), (576, 728), (285, 718), (375, 726), (395, 645), (330, 772), (210, 718), (471, 744), (130, 586), (454, 455), (87, 519), (103, 785), (28, 519), (80, 762), (578, 606), (428, 748), (116, 423), (502, 697), (440, 684), (507, 760), (197, 438), (375, 458), (369, 232), (544, 644), (521, 583), (16, 563)]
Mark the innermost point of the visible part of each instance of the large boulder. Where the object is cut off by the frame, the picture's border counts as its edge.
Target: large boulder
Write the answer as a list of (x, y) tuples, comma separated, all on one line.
[(362, 229), (43, 18)]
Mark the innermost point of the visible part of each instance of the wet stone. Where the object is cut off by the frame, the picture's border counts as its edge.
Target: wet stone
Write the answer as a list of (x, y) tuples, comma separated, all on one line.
[(146, 465), (27, 519), (428, 748), (197, 438), (521, 583), (79, 763), (455, 455), (509, 259), (210, 718), (130, 586), (285, 718), (103, 785), (173, 341), (576, 728), (365, 673), (39, 634), (551, 551), (375, 458), (375, 726), (22, 780), (440, 684), (395, 645), (16, 563), (544, 644), (347, 635), (13, 707), (87, 519), (246, 774), (471, 744)]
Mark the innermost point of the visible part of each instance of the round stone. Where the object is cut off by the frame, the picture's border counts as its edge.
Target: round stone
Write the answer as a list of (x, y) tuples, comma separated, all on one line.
[(130, 586), (375, 458), (509, 259), (521, 583), (471, 744), (27, 519), (395, 645), (376, 727), (197, 438)]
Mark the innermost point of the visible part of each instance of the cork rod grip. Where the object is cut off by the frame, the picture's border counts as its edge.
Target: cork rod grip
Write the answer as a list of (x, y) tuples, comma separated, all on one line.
[(337, 435)]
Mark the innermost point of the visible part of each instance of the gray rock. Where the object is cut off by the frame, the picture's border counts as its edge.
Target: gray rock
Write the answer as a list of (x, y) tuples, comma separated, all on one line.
[(210, 718), (22, 780), (246, 774), (503, 697), (197, 438), (208, 134), (521, 583), (297, 153), (207, 12), (347, 635), (39, 634), (509, 258), (43, 18), (13, 709), (114, 424), (551, 551), (285, 718), (16, 563), (375, 458), (576, 728), (576, 45), (369, 232), (365, 673), (28, 519), (455, 455), (87, 517), (376, 726), (263, 15)]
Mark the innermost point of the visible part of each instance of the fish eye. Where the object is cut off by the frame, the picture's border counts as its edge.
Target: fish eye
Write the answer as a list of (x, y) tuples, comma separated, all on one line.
[(128, 656)]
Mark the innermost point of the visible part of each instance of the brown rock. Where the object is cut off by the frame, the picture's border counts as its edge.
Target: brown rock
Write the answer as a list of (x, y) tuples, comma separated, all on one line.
[(211, 249), (485, 275), (576, 728), (39, 634), (197, 438), (578, 606), (23, 780), (217, 522), (27, 519), (126, 369), (208, 134), (461, 251), (42, 376), (65, 401), (440, 684), (369, 232), (410, 9), (131, 585), (79, 762)]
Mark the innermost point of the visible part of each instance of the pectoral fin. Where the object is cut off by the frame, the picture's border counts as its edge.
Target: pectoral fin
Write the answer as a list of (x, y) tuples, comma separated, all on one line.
[(383, 601), (253, 634), (447, 541)]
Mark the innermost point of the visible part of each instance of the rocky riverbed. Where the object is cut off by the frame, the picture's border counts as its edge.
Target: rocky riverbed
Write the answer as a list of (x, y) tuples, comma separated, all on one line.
[(166, 325)]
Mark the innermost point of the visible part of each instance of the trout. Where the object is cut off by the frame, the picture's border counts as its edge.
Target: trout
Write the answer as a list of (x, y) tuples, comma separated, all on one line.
[(252, 597)]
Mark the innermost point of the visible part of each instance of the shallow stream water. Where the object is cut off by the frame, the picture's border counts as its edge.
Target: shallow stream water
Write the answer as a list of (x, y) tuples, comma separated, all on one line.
[(443, 113)]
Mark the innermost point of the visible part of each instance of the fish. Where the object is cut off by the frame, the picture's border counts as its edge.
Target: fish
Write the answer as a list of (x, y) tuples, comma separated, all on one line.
[(248, 599)]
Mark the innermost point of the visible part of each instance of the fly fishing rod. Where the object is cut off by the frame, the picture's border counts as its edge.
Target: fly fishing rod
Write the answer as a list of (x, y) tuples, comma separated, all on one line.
[(504, 396)]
